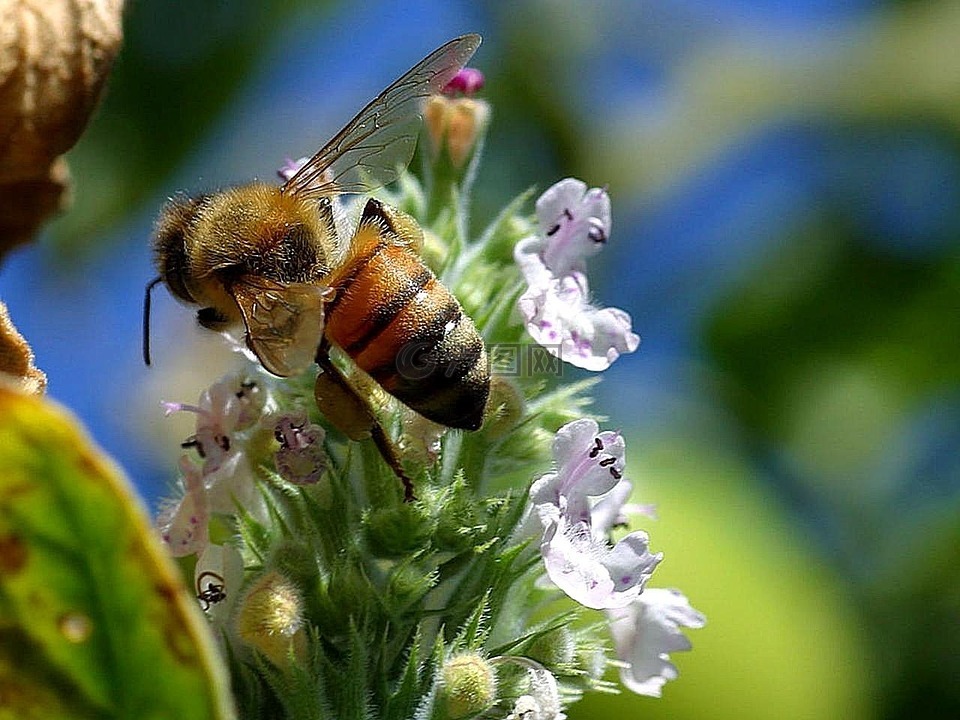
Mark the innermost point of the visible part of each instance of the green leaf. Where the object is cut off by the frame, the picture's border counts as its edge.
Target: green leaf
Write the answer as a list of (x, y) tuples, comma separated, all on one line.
[(94, 619), (402, 701), (508, 228)]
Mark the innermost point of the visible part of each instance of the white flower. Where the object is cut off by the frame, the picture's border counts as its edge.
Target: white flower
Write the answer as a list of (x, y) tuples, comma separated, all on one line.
[(230, 404), (217, 578), (577, 555), (183, 525), (560, 317), (542, 700), (225, 480), (592, 572), (588, 463), (646, 631), (574, 224)]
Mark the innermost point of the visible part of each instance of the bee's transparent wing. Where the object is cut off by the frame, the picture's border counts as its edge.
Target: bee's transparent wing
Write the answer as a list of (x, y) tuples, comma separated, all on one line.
[(284, 322), (379, 142)]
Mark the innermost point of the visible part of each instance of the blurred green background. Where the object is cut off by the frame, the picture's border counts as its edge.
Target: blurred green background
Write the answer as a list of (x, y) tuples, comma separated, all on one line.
[(785, 180)]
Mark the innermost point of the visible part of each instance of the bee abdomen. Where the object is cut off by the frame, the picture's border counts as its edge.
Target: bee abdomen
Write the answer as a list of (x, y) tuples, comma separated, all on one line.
[(404, 328), (445, 379)]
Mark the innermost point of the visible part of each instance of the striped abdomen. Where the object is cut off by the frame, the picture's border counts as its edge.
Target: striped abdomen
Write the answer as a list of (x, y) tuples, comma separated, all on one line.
[(404, 328)]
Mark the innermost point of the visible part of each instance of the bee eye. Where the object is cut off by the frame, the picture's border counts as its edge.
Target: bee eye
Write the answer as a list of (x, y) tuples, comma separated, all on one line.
[(211, 318)]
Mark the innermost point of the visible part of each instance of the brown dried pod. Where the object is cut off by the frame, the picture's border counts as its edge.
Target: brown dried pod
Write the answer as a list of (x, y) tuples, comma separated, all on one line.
[(55, 56), (16, 358)]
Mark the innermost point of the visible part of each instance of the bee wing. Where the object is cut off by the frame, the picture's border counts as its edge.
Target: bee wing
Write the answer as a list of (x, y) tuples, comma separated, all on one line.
[(284, 321), (379, 142)]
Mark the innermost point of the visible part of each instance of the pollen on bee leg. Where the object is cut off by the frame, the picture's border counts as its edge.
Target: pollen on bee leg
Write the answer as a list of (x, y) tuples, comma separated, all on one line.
[(421, 438), (342, 407)]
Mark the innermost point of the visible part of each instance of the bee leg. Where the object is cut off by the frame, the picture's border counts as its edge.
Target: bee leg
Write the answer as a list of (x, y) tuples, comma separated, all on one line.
[(353, 416), (402, 227), (390, 454)]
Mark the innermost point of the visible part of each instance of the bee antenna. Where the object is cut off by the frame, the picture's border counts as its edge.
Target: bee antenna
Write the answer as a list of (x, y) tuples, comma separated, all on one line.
[(146, 318)]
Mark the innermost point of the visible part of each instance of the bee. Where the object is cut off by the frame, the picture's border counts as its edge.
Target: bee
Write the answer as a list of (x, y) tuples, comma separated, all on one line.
[(267, 258)]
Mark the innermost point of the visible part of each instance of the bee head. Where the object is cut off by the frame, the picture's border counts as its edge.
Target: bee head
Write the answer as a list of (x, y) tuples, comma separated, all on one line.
[(170, 256), (169, 244)]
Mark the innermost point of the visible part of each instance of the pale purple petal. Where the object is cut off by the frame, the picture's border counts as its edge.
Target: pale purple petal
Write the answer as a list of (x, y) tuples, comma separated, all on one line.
[(232, 486), (291, 168), (184, 526), (612, 331), (646, 631), (630, 562), (574, 568), (591, 572), (589, 463), (611, 509), (574, 223), (559, 318), (527, 255)]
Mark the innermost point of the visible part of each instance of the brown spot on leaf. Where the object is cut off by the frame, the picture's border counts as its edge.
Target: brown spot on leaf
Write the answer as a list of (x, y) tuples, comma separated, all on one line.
[(181, 645), (76, 627), (13, 554), (172, 621)]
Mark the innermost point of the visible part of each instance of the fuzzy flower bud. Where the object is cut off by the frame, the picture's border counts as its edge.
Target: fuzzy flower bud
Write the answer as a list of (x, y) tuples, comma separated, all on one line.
[(554, 648), (456, 125), (270, 618), (505, 407), (469, 685)]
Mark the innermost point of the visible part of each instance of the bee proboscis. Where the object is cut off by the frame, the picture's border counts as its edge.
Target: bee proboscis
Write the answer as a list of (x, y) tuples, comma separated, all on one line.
[(269, 257)]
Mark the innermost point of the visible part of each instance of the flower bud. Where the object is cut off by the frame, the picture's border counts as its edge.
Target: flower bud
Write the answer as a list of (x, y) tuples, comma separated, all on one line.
[(554, 649), (270, 618), (468, 81), (455, 125), (399, 529), (505, 407), (468, 685), (542, 699)]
